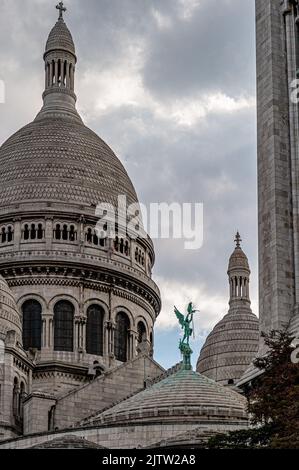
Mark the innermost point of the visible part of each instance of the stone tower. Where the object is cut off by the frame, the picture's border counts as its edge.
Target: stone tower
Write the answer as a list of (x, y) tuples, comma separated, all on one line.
[(233, 343), (86, 303), (277, 24)]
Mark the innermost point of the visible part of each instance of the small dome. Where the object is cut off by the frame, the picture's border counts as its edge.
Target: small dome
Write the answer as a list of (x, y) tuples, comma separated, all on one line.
[(185, 396), (9, 313), (60, 38), (238, 260), (230, 347)]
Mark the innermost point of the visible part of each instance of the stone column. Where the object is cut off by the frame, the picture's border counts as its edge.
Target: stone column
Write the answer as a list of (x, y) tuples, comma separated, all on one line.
[(44, 332), (51, 333), (51, 74), (49, 233), (17, 234), (67, 75), (56, 72)]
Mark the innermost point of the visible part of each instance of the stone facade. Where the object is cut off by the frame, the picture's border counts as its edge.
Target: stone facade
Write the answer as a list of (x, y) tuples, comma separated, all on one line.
[(277, 62), (76, 305), (77, 310)]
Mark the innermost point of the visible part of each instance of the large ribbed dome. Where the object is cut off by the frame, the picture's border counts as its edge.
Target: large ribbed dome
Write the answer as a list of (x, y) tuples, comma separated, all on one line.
[(59, 159), (60, 38), (185, 395), (9, 314)]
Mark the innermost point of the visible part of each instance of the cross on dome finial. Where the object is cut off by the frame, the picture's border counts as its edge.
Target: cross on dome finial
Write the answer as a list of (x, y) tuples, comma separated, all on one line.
[(61, 9), (238, 240)]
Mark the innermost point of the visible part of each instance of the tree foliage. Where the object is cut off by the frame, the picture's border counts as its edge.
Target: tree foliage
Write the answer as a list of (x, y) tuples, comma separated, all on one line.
[(273, 400)]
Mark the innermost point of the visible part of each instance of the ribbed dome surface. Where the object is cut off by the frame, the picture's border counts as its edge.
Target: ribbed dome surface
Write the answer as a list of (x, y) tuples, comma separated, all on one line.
[(238, 260), (58, 159), (185, 395), (230, 347), (60, 38), (9, 314)]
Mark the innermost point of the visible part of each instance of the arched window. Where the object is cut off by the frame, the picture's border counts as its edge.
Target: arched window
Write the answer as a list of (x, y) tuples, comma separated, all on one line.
[(65, 232), (58, 232), (94, 330), (89, 236), (40, 232), (33, 232), (15, 397), (10, 235), (95, 239), (121, 337), (32, 324), (73, 234), (3, 235), (141, 330), (21, 399), (26, 232), (63, 326)]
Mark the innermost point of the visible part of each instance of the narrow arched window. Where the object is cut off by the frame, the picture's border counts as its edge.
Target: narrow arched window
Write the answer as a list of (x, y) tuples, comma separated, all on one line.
[(32, 324), (21, 400), (3, 235), (58, 232), (65, 232), (141, 330), (73, 234), (63, 326), (15, 397), (33, 232), (121, 337), (89, 236), (95, 239), (94, 330), (26, 232), (40, 232), (10, 234)]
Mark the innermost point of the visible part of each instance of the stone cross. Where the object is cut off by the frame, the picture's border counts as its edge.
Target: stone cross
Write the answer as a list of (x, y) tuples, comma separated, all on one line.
[(61, 9), (238, 240)]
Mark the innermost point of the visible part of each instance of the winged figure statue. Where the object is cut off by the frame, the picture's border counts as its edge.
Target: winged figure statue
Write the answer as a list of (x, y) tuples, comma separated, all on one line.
[(186, 322)]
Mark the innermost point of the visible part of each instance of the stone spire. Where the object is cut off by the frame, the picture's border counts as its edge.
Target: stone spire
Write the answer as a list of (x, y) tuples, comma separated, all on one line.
[(233, 343), (239, 275), (60, 63)]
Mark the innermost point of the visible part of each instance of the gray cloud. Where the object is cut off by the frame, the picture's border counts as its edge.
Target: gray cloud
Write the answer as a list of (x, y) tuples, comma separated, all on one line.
[(210, 160)]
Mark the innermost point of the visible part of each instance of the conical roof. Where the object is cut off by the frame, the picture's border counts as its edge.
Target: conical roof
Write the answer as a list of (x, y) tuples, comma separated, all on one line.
[(238, 260), (184, 396), (60, 38)]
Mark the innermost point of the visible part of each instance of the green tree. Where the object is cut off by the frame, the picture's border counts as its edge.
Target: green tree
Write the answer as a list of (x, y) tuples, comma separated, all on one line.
[(273, 400)]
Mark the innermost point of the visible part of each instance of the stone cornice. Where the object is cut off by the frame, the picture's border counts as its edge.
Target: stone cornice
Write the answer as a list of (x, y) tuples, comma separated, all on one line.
[(100, 280)]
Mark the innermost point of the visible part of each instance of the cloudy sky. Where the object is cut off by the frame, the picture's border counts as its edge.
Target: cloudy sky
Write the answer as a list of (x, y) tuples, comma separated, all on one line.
[(170, 86)]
